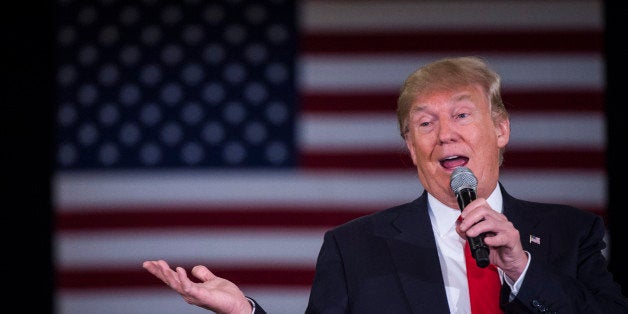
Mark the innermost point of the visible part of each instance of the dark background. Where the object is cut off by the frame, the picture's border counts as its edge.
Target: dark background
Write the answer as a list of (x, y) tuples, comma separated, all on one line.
[(27, 144), (617, 131)]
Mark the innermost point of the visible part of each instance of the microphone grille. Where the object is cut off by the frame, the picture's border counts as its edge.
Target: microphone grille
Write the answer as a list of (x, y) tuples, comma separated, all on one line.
[(463, 178)]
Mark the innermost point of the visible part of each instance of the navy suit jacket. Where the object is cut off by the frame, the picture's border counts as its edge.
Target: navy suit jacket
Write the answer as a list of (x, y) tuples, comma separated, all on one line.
[(387, 262)]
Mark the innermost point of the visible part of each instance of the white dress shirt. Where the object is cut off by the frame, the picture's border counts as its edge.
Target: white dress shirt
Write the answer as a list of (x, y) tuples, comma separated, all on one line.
[(451, 252)]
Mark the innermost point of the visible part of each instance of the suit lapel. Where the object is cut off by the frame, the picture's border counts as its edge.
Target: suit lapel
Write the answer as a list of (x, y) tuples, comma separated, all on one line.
[(413, 250), (533, 238)]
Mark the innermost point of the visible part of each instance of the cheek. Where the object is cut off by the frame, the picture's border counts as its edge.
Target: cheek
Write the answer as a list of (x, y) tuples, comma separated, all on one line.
[(412, 145), (486, 144), (420, 147)]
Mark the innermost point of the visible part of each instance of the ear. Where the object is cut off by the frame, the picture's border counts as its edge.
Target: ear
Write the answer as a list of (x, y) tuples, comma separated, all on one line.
[(502, 129)]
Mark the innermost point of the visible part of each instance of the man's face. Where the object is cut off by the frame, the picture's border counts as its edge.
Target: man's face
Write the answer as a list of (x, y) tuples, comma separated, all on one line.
[(451, 128)]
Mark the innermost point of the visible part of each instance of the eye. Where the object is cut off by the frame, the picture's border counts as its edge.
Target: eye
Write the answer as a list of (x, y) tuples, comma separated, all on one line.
[(461, 115), (423, 122), (463, 118)]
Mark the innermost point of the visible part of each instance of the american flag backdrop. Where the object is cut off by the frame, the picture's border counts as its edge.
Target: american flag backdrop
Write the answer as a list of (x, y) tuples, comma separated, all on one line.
[(234, 133)]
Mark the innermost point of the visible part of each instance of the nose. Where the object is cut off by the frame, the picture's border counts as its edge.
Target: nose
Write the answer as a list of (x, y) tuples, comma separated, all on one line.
[(446, 131)]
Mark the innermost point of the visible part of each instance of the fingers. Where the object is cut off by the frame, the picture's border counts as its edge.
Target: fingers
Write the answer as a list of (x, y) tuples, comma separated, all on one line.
[(177, 279), (185, 283), (156, 268), (162, 270), (506, 251), (201, 272), (479, 218)]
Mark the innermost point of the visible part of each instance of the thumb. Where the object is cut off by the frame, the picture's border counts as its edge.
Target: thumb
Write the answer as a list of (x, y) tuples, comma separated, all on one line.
[(201, 272), (460, 232)]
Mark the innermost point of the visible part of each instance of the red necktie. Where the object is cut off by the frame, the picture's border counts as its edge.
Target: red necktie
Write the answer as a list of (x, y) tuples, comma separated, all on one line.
[(484, 285)]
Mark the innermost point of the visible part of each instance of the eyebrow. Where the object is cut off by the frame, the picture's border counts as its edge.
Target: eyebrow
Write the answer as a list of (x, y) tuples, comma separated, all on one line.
[(465, 96), (455, 98)]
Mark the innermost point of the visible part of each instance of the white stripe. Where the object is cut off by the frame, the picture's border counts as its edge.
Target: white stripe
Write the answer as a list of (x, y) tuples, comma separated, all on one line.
[(577, 188), (443, 15), (80, 191), (347, 132), (379, 132), (331, 73), (217, 188), (166, 301), (235, 247), (557, 130)]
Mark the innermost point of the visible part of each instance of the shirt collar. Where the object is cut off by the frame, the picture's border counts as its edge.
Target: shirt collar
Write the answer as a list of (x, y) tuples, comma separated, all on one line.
[(444, 217)]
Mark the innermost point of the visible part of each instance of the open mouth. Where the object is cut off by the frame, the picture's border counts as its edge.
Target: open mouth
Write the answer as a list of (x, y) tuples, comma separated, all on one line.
[(454, 161)]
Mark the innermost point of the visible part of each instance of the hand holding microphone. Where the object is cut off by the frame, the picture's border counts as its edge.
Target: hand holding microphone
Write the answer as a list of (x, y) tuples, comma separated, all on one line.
[(464, 184)]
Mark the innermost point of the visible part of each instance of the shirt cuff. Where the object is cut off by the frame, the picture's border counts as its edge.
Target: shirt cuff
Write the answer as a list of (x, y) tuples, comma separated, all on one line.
[(252, 304), (515, 286)]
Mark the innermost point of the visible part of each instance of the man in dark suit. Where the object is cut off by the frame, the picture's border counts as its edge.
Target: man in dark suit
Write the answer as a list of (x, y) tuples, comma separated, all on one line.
[(410, 258)]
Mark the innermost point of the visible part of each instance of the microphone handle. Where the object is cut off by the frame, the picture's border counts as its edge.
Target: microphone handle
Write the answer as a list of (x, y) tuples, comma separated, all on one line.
[(479, 250)]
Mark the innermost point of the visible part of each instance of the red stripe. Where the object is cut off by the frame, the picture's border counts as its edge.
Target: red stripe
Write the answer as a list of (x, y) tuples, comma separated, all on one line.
[(563, 159), (522, 159), (140, 278), (525, 101), (356, 160), (186, 217), (180, 217), (555, 101), (523, 41)]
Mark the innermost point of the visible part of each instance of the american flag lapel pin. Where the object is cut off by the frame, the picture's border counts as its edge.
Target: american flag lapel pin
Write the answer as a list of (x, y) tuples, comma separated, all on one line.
[(535, 239)]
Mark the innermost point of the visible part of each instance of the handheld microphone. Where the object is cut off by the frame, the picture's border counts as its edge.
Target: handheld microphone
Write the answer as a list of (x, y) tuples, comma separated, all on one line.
[(464, 184)]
